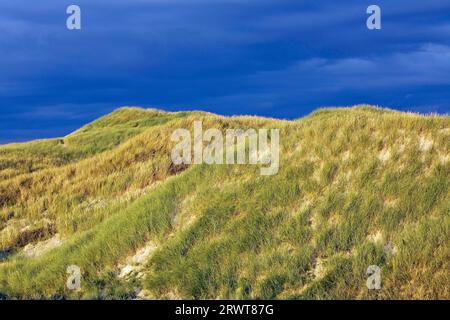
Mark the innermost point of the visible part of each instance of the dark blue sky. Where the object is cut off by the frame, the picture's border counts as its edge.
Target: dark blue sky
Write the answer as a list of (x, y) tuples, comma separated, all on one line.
[(268, 57)]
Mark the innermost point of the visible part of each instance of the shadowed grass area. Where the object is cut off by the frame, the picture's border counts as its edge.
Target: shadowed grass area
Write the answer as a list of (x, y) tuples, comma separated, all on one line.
[(356, 187)]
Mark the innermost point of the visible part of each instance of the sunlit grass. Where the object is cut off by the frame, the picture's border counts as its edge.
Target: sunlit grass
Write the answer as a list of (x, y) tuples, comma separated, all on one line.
[(352, 182)]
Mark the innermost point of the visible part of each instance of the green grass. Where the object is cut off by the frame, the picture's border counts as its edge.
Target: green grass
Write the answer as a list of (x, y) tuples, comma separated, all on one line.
[(352, 182), (99, 136)]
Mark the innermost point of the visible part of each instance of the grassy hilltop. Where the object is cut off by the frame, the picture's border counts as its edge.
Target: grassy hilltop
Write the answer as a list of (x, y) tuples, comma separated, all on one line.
[(357, 187)]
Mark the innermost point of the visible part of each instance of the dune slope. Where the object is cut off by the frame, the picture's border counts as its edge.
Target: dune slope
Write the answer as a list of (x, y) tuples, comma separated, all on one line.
[(356, 187)]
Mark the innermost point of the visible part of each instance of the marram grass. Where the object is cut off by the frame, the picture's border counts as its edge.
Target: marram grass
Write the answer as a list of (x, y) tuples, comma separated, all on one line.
[(356, 187)]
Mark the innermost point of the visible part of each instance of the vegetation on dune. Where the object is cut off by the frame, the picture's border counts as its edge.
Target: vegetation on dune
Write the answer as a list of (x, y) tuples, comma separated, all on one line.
[(357, 187), (101, 135)]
